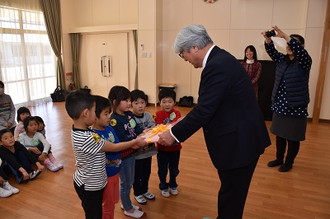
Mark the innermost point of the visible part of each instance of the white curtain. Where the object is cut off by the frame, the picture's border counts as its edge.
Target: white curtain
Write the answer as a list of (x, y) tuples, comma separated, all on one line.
[(27, 61)]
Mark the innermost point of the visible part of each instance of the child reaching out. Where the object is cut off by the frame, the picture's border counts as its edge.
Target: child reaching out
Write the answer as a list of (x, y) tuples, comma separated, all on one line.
[(18, 158), (168, 156), (123, 122), (113, 160), (89, 149), (143, 157), (38, 146), (22, 113)]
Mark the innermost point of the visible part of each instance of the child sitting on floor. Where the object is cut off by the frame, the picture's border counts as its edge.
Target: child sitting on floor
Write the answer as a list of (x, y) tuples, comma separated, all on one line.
[(36, 143), (6, 189), (22, 113), (41, 125), (17, 158)]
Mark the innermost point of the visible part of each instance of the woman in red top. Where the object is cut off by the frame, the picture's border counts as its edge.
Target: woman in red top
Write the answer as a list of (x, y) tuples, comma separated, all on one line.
[(252, 66)]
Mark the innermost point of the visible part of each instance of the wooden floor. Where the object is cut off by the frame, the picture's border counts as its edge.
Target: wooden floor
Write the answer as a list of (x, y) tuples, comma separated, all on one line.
[(304, 192)]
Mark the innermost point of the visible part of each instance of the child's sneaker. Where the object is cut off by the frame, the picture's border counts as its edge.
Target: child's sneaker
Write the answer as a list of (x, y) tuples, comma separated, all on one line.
[(52, 167), (140, 199), (54, 161), (4, 193), (174, 191), (134, 214), (9, 187), (134, 206), (165, 193), (34, 174), (149, 195)]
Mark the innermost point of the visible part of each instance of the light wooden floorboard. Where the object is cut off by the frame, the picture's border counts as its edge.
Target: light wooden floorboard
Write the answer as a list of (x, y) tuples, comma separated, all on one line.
[(303, 192)]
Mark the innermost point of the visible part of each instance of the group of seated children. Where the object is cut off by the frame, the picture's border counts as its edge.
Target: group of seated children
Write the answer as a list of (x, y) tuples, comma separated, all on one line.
[(22, 150), (121, 148)]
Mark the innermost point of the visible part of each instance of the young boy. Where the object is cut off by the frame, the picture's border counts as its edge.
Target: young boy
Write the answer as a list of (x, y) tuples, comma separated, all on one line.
[(18, 158), (6, 189), (143, 156), (89, 150), (168, 156), (113, 160)]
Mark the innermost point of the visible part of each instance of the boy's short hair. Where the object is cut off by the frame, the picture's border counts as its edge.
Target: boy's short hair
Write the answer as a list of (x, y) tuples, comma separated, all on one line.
[(27, 120), (20, 111), (77, 101), (101, 103), (2, 84), (136, 94), (4, 131), (117, 94), (166, 92)]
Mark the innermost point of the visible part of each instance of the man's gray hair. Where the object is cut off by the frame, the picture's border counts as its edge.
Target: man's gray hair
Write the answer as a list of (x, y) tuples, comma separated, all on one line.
[(191, 35)]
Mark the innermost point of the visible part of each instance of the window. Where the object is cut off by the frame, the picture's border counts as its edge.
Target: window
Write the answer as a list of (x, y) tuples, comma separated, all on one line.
[(27, 61)]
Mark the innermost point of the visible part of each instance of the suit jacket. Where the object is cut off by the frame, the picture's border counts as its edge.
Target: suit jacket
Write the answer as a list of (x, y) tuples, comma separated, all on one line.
[(227, 110)]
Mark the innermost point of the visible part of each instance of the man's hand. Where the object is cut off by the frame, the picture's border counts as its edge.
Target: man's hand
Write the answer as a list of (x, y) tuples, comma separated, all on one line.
[(165, 138)]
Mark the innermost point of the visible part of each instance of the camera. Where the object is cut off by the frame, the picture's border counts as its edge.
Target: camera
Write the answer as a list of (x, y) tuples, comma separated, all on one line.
[(270, 33)]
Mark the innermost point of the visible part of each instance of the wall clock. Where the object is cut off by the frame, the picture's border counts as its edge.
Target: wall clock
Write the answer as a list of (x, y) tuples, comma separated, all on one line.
[(210, 1)]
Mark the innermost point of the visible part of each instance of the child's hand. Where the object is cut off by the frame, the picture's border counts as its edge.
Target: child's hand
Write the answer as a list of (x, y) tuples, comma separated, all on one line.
[(42, 156), (26, 176), (148, 129), (141, 141), (2, 180), (135, 147), (34, 150), (40, 166)]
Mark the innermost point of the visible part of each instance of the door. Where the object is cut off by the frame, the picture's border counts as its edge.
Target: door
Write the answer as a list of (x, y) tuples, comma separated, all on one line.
[(104, 62)]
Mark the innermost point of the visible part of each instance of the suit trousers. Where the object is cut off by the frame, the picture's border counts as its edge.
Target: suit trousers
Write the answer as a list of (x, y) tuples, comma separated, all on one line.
[(234, 188)]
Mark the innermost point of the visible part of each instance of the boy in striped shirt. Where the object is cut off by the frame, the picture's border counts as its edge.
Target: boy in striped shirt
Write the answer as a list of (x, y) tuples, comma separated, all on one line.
[(89, 150)]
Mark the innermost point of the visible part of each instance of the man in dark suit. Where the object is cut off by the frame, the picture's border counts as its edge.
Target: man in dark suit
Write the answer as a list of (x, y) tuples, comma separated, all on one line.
[(227, 109)]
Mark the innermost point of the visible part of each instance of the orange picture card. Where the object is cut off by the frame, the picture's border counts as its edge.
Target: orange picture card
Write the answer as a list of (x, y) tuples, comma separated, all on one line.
[(151, 136)]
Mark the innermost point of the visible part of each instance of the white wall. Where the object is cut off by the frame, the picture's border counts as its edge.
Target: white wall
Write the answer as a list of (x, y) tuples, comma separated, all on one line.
[(232, 24), (95, 13)]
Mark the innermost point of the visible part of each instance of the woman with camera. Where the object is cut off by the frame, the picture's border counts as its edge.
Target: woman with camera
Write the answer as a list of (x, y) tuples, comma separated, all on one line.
[(290, 96)]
